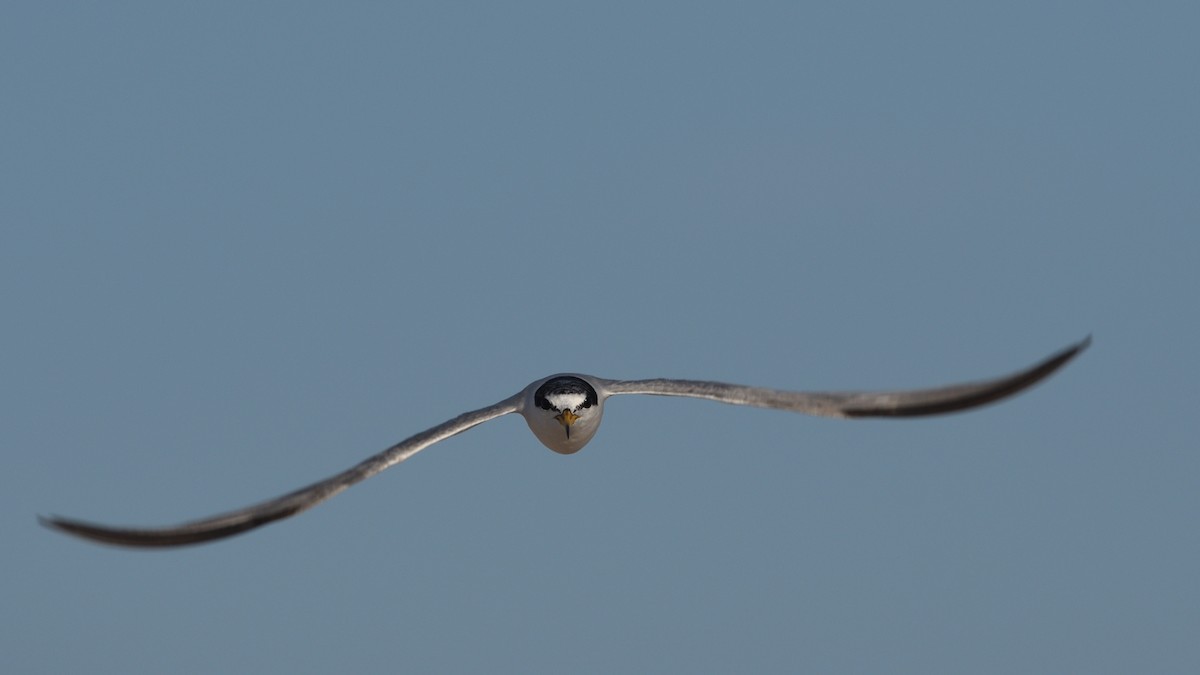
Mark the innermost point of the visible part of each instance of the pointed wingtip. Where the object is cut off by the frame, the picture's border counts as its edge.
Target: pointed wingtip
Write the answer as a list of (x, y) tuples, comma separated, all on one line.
[(1053, 363), (1075, 349), (59, 524), (50, 522), (64, 525)]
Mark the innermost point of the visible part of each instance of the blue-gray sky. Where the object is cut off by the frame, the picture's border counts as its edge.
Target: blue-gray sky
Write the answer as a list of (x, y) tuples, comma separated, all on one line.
[(245, 245)]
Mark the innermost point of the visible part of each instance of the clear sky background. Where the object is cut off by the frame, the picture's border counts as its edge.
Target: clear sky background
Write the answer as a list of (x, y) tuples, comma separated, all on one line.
[(245, 245)]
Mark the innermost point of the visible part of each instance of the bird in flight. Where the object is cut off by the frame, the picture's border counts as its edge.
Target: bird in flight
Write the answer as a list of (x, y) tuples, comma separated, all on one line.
[(563, 412)]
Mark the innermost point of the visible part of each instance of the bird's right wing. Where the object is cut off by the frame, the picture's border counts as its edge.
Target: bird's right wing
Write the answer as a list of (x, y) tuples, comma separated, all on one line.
[(250, 517)]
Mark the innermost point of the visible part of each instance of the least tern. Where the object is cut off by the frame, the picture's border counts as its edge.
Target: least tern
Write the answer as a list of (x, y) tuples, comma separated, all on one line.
[(564, 412)]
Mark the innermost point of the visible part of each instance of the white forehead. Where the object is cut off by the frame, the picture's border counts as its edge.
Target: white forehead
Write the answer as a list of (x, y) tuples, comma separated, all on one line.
[(566, 400)]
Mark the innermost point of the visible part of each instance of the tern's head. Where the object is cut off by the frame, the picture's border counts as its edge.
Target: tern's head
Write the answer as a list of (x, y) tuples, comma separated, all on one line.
[(563, 411)]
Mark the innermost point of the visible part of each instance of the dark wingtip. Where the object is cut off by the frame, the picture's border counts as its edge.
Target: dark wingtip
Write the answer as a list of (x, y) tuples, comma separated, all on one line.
[(77, 528), (57, 523), (74, 527), (150, 538), (1060, 359), (980, 393)]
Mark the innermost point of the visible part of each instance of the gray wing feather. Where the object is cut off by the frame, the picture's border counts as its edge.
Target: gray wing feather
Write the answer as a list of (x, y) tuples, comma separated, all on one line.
[(250, 517), (909, 403)]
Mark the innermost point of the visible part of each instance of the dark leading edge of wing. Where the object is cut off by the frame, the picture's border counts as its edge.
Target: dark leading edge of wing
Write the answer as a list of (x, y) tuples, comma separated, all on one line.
[(959, 397)]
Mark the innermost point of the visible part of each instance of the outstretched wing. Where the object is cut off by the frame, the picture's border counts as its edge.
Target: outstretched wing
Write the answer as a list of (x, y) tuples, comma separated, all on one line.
[(910, 403), (250, 517)]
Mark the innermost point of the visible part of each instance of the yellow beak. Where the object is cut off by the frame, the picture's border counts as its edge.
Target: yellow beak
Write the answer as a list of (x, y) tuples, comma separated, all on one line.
[(566, 418)]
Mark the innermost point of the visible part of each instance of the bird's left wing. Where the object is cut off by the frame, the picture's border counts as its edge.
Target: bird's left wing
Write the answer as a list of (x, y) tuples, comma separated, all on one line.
[(909, 403), (250, 517)]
